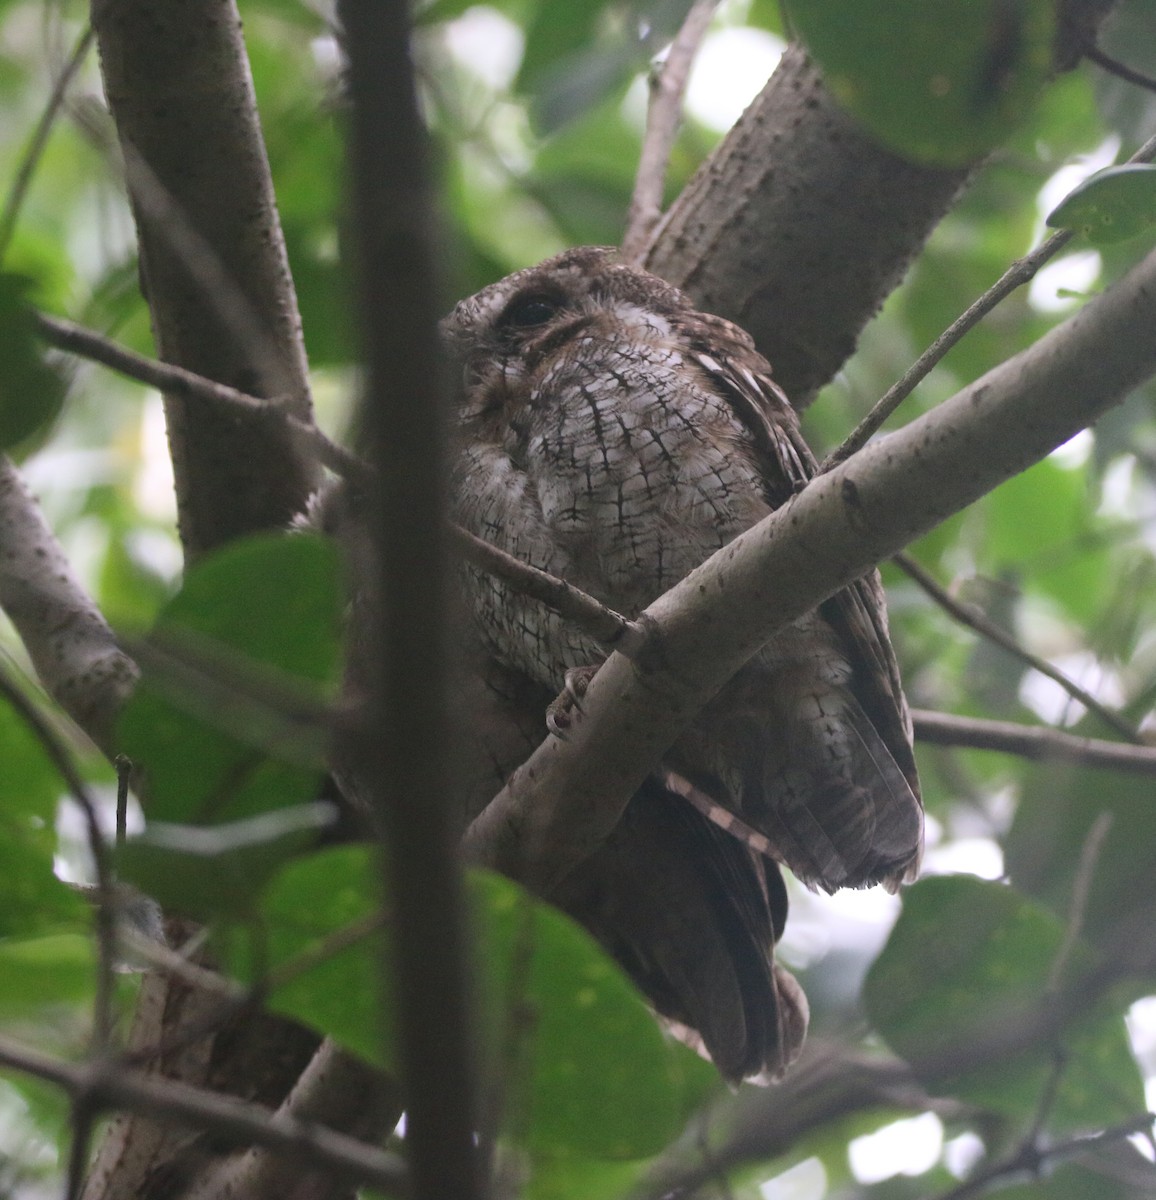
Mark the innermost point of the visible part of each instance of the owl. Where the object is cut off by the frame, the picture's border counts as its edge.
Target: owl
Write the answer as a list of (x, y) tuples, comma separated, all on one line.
[(612, 435)]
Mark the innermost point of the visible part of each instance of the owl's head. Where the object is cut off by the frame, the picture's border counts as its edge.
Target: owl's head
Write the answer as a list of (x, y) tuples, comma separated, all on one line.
[(536, 310)]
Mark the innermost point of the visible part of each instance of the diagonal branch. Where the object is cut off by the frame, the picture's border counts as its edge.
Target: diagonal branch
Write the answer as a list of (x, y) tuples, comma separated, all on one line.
[(567, 797), (75, 654), (235, 1120)]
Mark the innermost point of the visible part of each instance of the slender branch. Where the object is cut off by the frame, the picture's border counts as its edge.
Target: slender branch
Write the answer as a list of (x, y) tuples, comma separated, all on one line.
[(1037, 743), (608, 627), (177, 381), (38, 141), (1119, 69), (1022, 271), (1078, 908), (663, 117), (973, 618), (75, 654), (336, 1090), (407, 775), (1031, 1158), (108, 1086)]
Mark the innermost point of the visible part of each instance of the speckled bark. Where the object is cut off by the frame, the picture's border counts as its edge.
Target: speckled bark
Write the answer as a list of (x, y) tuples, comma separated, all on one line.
[(799, 226), (213, 263)]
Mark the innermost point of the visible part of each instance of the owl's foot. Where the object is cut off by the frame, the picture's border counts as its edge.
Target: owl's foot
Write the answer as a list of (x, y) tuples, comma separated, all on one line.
[(567, 708)]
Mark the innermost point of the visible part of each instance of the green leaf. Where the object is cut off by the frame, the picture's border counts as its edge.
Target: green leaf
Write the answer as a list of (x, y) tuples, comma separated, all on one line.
[(964, 956), (586, 1072), (601, 1081), (1110, 206), (57, 968), (268, 605), (307, 905), (171, 863), (942, 81), (1057, 809), (31, 392), (31, 897)]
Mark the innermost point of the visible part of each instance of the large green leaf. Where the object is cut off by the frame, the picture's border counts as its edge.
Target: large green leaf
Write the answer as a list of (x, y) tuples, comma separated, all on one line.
[(938, 80), (967, 955), (268, 605), (580, 1065)]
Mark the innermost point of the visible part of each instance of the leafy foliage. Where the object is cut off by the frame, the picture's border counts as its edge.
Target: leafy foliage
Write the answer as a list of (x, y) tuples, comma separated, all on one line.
[(537, 154)]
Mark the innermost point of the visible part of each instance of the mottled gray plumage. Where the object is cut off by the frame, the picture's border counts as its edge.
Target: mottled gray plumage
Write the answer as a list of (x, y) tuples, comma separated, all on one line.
[(615, 437)]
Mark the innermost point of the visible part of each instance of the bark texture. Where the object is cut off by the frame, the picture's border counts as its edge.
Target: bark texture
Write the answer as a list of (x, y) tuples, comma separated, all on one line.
[(213, 262)]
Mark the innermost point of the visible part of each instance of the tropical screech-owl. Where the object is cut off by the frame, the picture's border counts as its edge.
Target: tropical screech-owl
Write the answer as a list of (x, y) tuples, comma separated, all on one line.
[(613, 436)]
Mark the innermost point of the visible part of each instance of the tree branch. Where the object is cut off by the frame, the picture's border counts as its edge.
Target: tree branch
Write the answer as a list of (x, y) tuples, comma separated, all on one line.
[(107, 1085), (403, 749), (71, 645), (972, 618), (663, 117), (176, 381), (178, 84), (1038, 743), (798, 191), (567, 796), (1022, 271)]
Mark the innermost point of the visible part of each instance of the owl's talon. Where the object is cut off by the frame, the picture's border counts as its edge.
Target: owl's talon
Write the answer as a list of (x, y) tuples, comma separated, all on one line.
[(567, 708)]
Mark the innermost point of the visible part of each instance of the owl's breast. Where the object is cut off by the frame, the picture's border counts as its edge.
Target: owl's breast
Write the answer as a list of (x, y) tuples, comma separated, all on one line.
[(640, 470)]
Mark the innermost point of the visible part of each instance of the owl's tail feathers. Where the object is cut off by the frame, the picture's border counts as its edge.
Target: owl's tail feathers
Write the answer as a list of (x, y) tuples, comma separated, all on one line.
[(840, 814), (850, 818), (693, 916)]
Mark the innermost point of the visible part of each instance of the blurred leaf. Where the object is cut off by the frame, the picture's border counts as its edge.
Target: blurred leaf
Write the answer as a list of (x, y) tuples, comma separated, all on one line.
[(32, 899), (305, 908), (1117, 1171), (568, 69), (1111, 206), (36, 973), (603, 1081), (1039, 524), (31, 392), (172, 863), (582, 1059), (1056, 812), (274, 600), (942, 81), (964, 956)]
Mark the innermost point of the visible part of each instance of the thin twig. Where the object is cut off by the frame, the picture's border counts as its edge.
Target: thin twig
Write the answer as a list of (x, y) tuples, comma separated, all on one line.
[(1081, 889), (1032, 1159), (972, 618), (37, 143), (123, 765), (663, 117), (1120, 70), (174, 380), (1022, 271), (109, 1086), (1038, 743), (606, 626)]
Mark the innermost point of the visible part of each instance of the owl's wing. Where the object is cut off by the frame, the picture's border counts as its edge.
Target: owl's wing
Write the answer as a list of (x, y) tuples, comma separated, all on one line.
[(693, 916), (872, 833)]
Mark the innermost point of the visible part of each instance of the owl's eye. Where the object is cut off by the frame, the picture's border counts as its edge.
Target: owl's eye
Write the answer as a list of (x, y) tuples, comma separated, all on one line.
[(525, 312)]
